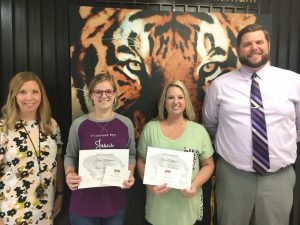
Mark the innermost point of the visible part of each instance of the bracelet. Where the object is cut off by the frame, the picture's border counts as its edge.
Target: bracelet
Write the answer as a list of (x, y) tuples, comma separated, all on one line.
[(59, 193)]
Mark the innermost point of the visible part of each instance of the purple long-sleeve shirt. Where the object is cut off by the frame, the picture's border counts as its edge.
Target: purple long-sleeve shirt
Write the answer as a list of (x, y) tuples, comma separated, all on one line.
[(86, 133)]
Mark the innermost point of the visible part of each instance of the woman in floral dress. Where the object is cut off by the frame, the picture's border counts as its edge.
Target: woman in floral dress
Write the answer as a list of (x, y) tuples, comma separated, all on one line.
[(31, 176)]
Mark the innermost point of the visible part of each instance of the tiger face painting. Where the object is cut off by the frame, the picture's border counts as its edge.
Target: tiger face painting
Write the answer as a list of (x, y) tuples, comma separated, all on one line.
[(144, 50)]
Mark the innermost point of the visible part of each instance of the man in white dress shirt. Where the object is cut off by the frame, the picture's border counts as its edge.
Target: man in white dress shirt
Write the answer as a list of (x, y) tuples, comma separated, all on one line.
[(241, 192)]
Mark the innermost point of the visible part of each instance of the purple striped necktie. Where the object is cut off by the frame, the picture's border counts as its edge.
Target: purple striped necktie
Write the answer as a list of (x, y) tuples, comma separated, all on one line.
[(261, 162)]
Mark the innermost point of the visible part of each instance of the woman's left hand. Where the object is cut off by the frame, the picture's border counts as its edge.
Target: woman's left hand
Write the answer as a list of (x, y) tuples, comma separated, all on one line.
[(189, 192), (129, 182), (57, 205)]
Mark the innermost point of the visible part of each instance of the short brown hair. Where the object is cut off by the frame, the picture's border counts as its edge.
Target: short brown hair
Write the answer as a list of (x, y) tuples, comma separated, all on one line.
[(98, 79), (251, 28)]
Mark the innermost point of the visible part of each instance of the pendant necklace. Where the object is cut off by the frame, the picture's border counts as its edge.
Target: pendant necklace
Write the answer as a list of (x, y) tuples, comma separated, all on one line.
[(39, 191)]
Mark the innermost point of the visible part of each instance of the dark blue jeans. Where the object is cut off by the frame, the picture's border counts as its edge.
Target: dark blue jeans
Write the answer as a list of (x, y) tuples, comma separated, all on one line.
[(117, 219)]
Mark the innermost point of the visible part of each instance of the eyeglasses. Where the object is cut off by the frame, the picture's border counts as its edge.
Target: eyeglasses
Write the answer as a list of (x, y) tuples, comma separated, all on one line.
[(99, 93)]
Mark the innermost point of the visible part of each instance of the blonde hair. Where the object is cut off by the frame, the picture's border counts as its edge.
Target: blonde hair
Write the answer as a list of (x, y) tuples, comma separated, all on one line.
[(11, 111), (99, 78), (188, 113)]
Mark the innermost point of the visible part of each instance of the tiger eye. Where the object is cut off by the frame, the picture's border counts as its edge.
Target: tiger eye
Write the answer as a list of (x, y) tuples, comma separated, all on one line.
[(209, 67), (134, 65)]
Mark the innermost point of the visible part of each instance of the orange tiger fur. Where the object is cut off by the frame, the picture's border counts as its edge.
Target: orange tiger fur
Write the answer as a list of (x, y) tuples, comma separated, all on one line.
[(144, 50)]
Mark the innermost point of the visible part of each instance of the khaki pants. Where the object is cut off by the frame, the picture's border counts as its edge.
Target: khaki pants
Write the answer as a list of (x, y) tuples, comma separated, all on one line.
[(244, 196)]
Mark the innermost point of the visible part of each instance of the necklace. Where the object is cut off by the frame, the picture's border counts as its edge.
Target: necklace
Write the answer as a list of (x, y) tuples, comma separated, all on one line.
[(37, 153), (176, 125), (40, 191)]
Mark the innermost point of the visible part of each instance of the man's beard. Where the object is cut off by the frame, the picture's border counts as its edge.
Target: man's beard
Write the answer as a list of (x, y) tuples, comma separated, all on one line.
[(264, 59)]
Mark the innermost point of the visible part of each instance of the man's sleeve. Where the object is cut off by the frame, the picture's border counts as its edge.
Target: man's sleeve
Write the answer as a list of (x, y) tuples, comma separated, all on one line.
[(210, 111)]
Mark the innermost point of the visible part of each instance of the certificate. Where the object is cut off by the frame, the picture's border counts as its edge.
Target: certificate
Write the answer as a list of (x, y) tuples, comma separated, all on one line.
[(114, 176), (93, 163), (168, 166)]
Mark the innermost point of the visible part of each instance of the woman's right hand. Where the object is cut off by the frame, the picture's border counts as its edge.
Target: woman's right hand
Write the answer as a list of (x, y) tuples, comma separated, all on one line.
[(73, 180), (159, 189), (1, 222)]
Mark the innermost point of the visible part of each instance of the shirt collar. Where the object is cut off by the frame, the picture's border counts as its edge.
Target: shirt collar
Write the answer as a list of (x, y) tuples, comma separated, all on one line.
[(247, 73)]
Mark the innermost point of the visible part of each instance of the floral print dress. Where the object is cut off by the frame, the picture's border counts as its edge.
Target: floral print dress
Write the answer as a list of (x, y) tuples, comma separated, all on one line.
[(19, 173)]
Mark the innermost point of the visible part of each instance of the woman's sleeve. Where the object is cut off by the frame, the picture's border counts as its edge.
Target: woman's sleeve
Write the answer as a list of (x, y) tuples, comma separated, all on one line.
[(131, 144), (57, 134), (72, 150), (2, 137), (143, 142), (206, 146)]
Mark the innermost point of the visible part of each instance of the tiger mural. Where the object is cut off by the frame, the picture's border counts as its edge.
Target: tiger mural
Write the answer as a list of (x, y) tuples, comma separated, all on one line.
[(144, 50)]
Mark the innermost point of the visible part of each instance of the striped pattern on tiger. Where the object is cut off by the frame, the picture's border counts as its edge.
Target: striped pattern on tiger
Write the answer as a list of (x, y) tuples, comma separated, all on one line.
[(144, 50)]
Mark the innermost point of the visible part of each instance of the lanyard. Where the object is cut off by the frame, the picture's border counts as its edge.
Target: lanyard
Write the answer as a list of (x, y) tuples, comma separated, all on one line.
[(40, 189), (37, 153)]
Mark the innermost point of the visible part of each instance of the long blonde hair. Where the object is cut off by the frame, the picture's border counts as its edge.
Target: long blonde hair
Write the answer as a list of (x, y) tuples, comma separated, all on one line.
[(11, 111), (188, 113)]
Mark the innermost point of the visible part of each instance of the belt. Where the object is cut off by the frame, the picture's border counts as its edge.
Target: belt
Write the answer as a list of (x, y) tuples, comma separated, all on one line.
[(251, 172), (274, 172)]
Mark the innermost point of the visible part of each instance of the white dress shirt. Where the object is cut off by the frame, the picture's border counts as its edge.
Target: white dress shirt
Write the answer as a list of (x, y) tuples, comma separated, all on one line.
[(226, 115)]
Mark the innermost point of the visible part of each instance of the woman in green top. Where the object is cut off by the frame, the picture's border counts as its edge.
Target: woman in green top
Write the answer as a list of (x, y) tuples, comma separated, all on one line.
[(175, 130)]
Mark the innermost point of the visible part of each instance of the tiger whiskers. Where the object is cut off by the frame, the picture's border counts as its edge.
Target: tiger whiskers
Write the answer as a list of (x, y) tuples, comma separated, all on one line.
[(136, 42)]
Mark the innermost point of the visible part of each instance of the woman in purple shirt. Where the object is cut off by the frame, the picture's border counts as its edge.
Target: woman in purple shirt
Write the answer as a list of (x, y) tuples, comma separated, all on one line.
[(102, 128)]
